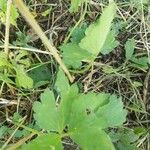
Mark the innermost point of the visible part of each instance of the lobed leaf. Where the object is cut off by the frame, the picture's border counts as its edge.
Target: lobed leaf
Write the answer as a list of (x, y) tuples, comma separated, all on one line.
[(44, 142), (113, 112), (92, 139), (46, 114), (97, 32), (84, 115)]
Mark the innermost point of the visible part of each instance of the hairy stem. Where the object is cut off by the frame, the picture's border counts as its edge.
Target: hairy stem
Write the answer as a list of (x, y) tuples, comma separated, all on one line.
[(33, 23)]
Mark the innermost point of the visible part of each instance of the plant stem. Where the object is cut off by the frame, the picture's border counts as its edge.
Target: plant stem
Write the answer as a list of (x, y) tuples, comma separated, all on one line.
[(9, 139), (33, 23), (7, 26), (21, 142)]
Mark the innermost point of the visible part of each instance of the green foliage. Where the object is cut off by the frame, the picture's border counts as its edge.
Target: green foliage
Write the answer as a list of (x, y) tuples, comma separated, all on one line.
[(139, 4), (85, 116), (20, 58), (22, 39), (13, 13), (5, 78), (40, 75), (111, 43), (45, 142), (78, 34), (62, 111), (141, 62), (3, 130), (129, 48), (75, 5), (124, 139), (87, 43), (22, 79), (96, 33), (46, 112), (3, 61), (73, 55), (85, 137), (16, 68)]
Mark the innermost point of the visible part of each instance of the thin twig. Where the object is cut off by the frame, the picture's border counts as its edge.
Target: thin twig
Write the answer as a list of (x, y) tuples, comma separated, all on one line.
[(77, 24), (145, 86), (21, 142), (9, 139), (34, 50), (7, 26)]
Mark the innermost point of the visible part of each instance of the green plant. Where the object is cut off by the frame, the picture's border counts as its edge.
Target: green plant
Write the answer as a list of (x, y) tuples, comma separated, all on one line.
[(108, 55), (16, 66), (141, 62), (82, 117), (14, 14), (75, 5), (89, 42)]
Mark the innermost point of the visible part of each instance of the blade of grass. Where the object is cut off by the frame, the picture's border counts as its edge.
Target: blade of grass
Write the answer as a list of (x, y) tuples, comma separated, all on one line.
[(21, 142)]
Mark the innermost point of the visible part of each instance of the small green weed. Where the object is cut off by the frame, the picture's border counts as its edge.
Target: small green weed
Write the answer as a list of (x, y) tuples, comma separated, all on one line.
[(76, 115)]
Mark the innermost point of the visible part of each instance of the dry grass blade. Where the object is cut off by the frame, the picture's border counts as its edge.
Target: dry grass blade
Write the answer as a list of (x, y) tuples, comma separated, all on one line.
[(6, 47), (33, 23), (22, 141)]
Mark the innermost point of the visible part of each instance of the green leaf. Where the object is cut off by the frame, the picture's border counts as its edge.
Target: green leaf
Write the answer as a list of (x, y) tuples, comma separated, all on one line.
[(21, 58), (3, 60), (96, 33), (137, 84), (83, 116), (6, 79), (109, 69), (62, 83), (22, 39), (46, 114), (95, 109), (78, 34), (44, 142), (40, 74), (73, 55), (65, 107), (115, 108), (22, 79), (13, 13), (124, 139), (3, 131), (84, 108), (92, 139), (111, 43), (46, 12), (141, 63), (75, 4), (129, 48)]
